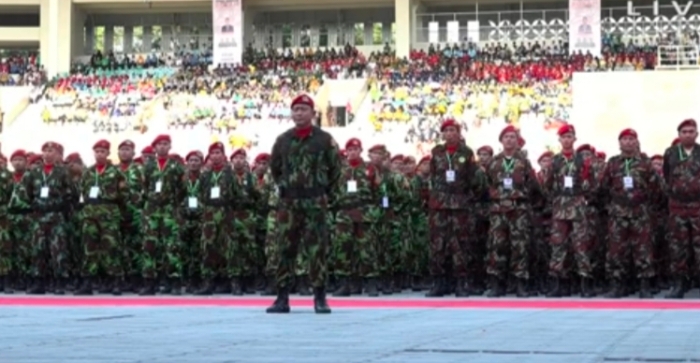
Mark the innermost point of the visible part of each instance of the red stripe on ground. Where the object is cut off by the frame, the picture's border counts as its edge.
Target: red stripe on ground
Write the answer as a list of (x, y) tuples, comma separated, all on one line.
[(367, 303)]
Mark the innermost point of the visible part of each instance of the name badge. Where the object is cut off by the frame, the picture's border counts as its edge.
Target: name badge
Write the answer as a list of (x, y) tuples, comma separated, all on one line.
[(44, 192), (352, 186), (450, 176), (82, 200), (159, 186), (94, 192), (508, 183), (385, 202), (192, 202), (628, 182), (215, 193), (568, 182)]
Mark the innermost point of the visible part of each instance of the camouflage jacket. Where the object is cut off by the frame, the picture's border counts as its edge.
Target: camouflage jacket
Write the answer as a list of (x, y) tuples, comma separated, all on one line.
[(387, 191), (224, 181), (630, 187), (6, 190), (682, 177), (305, 170), (111, 187), (190, 208), (135, 182), (354, 193), (169, 179), (57, 185), (569, 184), (19, 198), (269, 195), (544, 209), (248, 192), (468, 178), (512, 183)]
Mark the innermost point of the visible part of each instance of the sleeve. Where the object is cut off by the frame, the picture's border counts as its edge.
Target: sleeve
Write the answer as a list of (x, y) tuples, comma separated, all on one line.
[(334, 165), (667, 167), (276, 161)]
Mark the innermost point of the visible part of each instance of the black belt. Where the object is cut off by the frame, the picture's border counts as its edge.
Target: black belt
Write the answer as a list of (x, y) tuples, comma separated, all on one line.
[(302, 193)]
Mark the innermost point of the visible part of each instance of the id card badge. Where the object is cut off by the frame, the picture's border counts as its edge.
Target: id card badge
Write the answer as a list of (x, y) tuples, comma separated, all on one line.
[(450, 176), (215, 193), (508, 183), (628, 182), (568, 182), (44, 192), (159, 186), (385, 202), (352, 186), (94, 192), (192, 202), (82, 199)]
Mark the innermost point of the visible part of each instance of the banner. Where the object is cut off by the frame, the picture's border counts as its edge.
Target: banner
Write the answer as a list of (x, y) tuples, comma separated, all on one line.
[(453, 32), (433, 32), (227, 26), (584, 26)]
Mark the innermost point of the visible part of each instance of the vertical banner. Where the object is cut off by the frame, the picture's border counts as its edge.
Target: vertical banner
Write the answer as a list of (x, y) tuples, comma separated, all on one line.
[(433, 32), (227, 26), (453, 31), (584, 26), (473, 31)]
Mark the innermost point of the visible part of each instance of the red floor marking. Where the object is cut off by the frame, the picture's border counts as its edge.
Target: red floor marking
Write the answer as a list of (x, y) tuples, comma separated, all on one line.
[(367, 303)]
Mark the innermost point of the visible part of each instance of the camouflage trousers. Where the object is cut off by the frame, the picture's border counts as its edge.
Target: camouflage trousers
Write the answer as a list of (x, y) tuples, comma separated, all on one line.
[(542, 252), (7, 247), (403, 240), (477, 249), (449, 235), (570, 236), (383, 235), (271, 245), (661, 250), (74, 240), (629, 239), (215, 238), (302, 236), (243, 251), (49, 255), (191, 239), (132, 242), (509, 239), (101, 241), (417, 255), (353, 251), (21, 230), (683, 237), (260, 235), (162, 250)]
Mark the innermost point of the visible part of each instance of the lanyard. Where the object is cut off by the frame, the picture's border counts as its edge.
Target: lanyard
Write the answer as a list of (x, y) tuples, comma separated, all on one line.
[(508, 165), (165, 165), (569, 166), (681, 154), (449, 160), (382, 187), (97, 176), (192, 187), (215, 178), (628, 162)]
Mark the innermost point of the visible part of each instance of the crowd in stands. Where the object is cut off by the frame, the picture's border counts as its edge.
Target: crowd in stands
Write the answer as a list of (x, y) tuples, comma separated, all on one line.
[(21, 69)]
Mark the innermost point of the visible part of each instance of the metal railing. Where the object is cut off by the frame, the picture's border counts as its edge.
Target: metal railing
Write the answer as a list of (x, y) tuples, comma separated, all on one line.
[(677, 57)]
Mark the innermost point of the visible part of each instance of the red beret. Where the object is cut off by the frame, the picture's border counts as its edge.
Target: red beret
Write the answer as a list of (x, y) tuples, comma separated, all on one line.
[(59, 147), (217, 146), (343, 153), (240, 151), (102, 144), (507, 129), (424, 159), (50, 144), (303, 100), (138, 160), (33, 159), (601, 155), (177, 158), (565, 129), (485, 148), (262, 157), (546, 154), (161, 138), (127, 143), (19, 153), (147, 150), (584, 147), (676, 141), (354, 142), (657, 157), (74, 157), (521, 142), (627, 132), (194, 153), (449, 122), (377, 148), (398, 157), (687, 122), (409, 159)]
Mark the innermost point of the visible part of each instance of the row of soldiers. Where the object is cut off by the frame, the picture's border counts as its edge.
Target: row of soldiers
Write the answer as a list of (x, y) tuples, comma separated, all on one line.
[(462, 223)]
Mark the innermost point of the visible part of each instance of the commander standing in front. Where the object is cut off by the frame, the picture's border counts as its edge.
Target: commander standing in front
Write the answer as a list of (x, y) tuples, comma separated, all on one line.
[(305, 165)]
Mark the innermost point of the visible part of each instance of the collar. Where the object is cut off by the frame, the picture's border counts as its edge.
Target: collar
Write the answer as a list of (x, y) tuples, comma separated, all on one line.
[(303, 132), (354, 163)]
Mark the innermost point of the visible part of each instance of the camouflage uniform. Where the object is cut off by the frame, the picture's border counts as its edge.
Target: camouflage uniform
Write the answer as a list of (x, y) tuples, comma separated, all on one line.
[(8, 253), (50, 194), (513, 190), (132, 220), (456, 180), (569, 184), (22, 227), (631, 191), (354, 253), (162, 253), (417, 256), (243, 252), (270, 196), (543, 227), (103, 192), (401, 231), (191, 227), (683, 189)]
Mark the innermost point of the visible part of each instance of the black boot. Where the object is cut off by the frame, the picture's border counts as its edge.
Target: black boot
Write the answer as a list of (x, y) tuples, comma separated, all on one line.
[(60, 286), (677, 289), (236, 287), (416, 283), (85, 288), (371, 287), (495, 287), (149, 287), (587, 290), (281, 304), (117, 283), (522, 288), (557, 288), (320, 303), (438, 288), (175, 286), (461, 290), (7, 285), (38, 286), (207, 288), (356, 286), (343, 288), (387, 285), (616, 289), (645, 291), (271, 288), (303, 286)]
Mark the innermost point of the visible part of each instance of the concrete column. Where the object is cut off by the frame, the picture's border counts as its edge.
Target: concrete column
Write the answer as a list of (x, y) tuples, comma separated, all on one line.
[(405, 20), (128, 39), (248, 22), (61, 35), (89, 39), (147, 38), (109, 38), (386, 33), (369, 33)]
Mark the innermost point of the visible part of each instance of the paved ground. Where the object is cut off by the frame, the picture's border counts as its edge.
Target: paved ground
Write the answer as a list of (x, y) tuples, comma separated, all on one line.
[(433, 335)]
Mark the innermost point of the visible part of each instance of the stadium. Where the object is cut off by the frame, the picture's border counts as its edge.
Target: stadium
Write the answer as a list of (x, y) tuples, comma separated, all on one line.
[(429, 277)]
